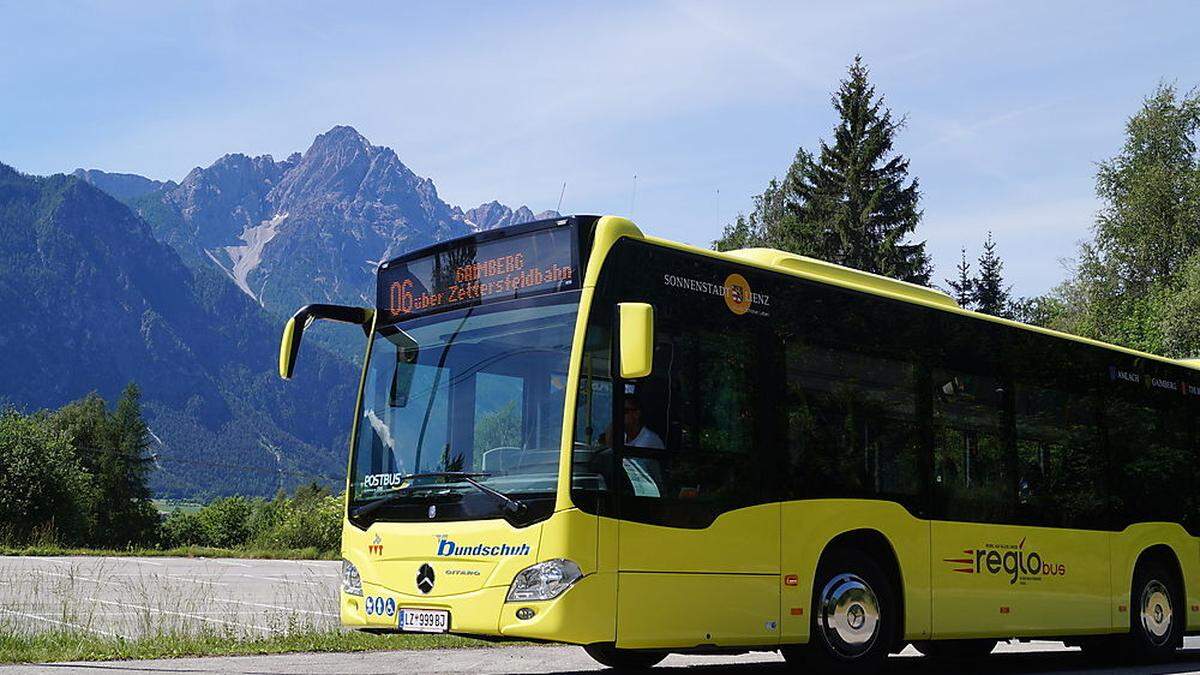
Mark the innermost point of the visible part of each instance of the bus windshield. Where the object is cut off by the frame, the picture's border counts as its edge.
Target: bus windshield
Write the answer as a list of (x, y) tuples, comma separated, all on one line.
[(477, 391)]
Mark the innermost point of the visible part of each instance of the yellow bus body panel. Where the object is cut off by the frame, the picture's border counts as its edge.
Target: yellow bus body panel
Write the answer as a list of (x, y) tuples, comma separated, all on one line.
[(999, 593), (699, 587)]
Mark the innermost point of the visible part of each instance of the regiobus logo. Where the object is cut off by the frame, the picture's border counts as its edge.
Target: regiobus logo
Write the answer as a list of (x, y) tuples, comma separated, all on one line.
[(1011, 560)]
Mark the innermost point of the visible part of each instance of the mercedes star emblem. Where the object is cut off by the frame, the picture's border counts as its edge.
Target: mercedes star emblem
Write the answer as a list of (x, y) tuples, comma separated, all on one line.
[(425, 579), (433, 510)]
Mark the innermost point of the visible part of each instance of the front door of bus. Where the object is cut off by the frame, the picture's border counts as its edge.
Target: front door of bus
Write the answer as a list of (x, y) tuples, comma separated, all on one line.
[(698, 535)]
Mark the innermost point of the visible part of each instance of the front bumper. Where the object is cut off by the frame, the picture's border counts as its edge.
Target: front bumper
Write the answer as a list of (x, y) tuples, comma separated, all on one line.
[(584, 614)]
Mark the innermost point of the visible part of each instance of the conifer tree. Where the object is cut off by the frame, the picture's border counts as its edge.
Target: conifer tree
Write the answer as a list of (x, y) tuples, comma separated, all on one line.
[(991, 295), (853, 202), (126, 515), (963, 289)]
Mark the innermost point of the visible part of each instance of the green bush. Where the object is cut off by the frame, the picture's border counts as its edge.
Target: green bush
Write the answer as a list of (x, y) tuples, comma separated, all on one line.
[(226, 522), (181, 528), (312, 520), (313, 523), (42, 495)]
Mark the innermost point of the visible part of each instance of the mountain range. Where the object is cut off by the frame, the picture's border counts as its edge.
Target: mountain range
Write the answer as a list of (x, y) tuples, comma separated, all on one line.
[(313, 227), (109, 278)]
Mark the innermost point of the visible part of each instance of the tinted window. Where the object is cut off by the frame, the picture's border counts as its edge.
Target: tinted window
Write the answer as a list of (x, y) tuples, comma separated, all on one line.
[(1061, 461), (852, 425), (791, 389), (970, 451), (1154, 458)]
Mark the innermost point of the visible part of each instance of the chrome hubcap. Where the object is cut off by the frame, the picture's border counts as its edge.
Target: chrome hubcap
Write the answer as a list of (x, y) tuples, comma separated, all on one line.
[(849, 618), (1156, 612)]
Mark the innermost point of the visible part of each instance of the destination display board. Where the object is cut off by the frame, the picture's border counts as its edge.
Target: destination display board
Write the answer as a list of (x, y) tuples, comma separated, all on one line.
[(476, 271)]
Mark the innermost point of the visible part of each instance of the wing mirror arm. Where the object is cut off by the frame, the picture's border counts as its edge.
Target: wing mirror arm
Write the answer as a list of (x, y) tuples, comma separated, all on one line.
[(289, 346)]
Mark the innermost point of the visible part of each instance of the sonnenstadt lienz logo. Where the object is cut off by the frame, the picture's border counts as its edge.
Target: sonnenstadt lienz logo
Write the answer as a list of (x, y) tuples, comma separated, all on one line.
[(448, 548), (735, 290), (1013, 561)]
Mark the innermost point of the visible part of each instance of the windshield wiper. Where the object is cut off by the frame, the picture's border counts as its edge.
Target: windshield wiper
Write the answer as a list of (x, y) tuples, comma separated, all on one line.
[(511, 506)]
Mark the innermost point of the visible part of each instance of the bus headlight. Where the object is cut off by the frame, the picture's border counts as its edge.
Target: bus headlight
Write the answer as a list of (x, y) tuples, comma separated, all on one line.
[(543, 581), (351, 581)]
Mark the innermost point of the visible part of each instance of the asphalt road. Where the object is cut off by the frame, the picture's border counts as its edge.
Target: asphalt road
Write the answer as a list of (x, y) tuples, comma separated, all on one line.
[(131, 596), (1023, 659)]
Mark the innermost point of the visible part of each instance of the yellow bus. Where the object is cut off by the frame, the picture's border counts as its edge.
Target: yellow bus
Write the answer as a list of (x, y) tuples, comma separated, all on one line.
[(571, 431)]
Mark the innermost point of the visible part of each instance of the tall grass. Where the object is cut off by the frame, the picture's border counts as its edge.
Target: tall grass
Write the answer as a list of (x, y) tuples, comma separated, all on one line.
[(96, 609), (68, 645)]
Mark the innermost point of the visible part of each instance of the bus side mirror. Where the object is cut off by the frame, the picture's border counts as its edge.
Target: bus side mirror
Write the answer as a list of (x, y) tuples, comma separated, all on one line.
[(289, 346), (637, 339)]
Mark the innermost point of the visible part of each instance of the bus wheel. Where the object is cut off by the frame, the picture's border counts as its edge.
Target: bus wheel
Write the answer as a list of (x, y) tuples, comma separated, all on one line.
[(854, 618), (623, 659), (1157, 612), (955, 650)]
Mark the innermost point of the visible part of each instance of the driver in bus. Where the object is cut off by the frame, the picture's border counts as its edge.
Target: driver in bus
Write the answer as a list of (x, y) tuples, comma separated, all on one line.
[(637, 434), (644, 473)]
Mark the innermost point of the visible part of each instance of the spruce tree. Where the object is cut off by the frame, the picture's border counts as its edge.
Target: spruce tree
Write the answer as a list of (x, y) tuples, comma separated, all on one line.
[(853, 203), (127, 516), (991, 295), (963, 289)]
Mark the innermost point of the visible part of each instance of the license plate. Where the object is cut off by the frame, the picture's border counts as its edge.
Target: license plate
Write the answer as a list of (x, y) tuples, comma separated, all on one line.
[(424, 620)]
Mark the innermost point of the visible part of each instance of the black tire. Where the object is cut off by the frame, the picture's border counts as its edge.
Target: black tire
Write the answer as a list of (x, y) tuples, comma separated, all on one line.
[(623, 659), (955, 650), (855, 616), (1156, 613)]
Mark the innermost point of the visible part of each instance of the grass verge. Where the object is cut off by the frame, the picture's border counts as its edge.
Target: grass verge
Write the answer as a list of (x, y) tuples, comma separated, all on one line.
[(179, 552), (80, 646)]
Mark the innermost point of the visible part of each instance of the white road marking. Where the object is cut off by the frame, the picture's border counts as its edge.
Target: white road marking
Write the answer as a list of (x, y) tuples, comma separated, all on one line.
[(136, 560), (290, 609), (183, 614), (62, 623), (286, 580), (230, 562), (76, 576), (208, 582), (39, 559), (319, 566)]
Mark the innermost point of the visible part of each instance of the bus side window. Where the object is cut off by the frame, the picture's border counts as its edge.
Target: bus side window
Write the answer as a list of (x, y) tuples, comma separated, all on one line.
[(1061, 463), (1149, 440), (852, 424), (971, 467)]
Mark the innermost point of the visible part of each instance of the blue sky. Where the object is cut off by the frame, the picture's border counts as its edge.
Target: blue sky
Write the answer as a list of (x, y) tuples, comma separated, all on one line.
[(1009, 104)]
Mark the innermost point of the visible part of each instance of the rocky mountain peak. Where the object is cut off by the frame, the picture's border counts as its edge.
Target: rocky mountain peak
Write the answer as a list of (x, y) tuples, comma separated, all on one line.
[(335, 166), (494, 214)]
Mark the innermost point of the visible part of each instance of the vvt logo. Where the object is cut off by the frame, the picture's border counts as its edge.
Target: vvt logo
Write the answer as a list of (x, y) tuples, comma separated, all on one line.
[(1012, 561), (448, 548)]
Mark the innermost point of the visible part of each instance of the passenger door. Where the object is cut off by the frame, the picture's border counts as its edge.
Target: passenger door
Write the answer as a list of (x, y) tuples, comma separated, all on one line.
[(699, 531), (1015, 466)]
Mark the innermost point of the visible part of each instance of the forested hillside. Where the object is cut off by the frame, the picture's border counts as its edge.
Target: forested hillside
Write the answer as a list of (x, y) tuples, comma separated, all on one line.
[(93, 302)]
